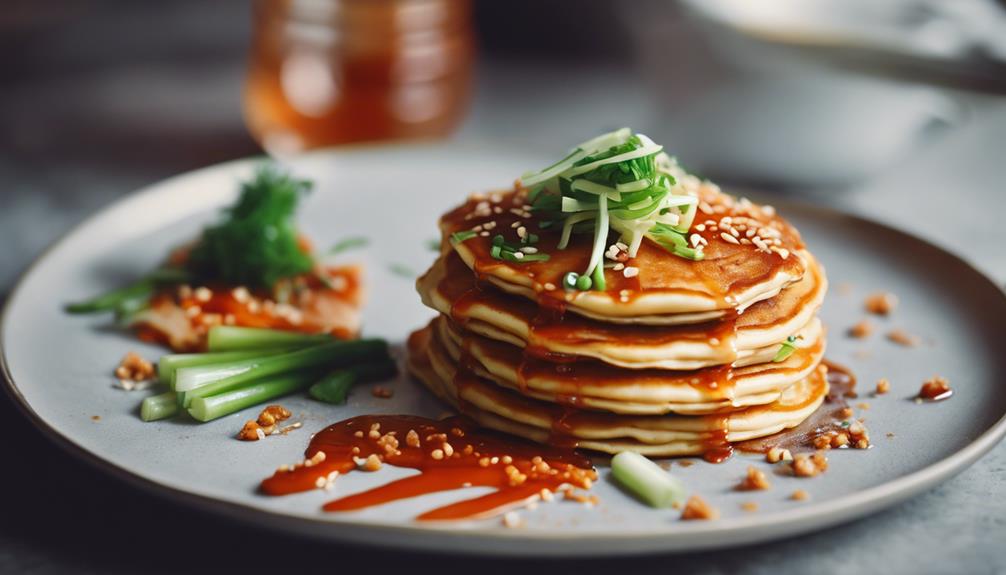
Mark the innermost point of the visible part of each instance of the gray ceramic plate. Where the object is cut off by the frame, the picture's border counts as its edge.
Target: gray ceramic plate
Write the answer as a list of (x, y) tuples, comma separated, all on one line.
[(59, 367)]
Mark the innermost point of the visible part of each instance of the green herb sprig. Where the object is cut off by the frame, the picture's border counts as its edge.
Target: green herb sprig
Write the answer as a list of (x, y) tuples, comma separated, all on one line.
[(256, 244)]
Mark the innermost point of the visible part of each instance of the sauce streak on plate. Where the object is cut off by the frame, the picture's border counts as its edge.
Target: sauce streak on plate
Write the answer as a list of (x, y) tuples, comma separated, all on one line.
[(450, 454)]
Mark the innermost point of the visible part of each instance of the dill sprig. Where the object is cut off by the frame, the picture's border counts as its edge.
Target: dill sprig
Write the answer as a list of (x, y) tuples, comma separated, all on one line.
[(256, 244)]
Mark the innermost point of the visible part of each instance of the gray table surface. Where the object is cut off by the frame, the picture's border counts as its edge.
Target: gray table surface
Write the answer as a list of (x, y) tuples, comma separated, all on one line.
[(63, 158)]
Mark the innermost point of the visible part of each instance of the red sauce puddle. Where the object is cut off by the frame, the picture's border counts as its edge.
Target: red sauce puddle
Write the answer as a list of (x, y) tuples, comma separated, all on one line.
[(519, 471)]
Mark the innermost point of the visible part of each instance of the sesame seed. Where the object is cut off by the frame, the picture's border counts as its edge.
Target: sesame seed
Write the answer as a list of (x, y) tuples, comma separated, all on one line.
[(729, 238), (511, 520), (203, 294), (630, 272)]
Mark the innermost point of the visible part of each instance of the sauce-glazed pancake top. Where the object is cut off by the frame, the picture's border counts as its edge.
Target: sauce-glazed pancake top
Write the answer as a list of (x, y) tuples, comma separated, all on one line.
[(737, 269)]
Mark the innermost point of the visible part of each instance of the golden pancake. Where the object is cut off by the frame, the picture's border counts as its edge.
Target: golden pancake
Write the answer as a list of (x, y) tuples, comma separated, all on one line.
[(667, 435), (593, 385), (667, 290), (450, 288)]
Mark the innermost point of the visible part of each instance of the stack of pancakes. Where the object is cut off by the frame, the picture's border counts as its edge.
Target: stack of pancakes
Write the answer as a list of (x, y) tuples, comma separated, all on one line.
[(674, 357)]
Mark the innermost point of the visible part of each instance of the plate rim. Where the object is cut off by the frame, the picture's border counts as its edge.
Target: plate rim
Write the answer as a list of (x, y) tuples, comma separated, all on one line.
[(426, 537)]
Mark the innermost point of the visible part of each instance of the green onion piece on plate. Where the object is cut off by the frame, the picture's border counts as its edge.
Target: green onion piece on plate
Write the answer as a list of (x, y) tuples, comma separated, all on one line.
[(234, 338), (160, 406), (646, 480), (334, 387)]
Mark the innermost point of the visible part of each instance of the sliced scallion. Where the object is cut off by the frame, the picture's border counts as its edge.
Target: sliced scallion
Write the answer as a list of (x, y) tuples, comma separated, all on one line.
[(786, 349), (646, 480), (334, 387), (234, 338), (458, 237), (161, 406)]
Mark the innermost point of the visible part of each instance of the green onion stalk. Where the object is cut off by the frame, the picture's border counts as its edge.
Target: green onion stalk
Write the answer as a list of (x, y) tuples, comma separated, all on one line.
[(617, 181), (646, 480)]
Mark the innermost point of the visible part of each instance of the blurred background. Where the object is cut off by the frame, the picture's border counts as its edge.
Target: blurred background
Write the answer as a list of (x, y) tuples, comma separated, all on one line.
[(892, 109), (833, 100)]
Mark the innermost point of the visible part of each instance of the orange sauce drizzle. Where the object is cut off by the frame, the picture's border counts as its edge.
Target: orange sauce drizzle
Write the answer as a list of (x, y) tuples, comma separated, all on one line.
[(450, 454)]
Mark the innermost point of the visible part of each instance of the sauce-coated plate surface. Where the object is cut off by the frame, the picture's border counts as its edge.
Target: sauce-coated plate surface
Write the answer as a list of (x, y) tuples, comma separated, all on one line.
[(59, 367)]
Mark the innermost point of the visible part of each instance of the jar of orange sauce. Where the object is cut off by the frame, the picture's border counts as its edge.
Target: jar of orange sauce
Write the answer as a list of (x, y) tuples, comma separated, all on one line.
[(327, 72)]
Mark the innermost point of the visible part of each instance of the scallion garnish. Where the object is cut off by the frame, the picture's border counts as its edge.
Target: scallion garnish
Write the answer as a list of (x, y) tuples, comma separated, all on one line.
[(334, 387), (458, 237), (786, 349), (617, 181), (502, 250), (347, 244), (263, 365), (402, 270), (646, 480)]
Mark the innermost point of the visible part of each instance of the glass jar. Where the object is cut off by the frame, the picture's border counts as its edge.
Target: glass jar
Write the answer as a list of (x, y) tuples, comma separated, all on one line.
[(326, 72)]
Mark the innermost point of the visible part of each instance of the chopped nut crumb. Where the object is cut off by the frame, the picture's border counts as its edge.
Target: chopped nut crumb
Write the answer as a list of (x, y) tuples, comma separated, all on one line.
[(134, 368), (573, 495), (95, 418), (858, 435), (697, 508), (823, 441), (935, 388), (251, 431), (861, 330), (411, 438), (845, 413), (810, 465), (883, 386), (512, 520), (382, 392), (840, 439), (902, 337), (273, 414), (881, 303), (755, 480), (749, 506), (372, 463), (776, 454), (800, 495)]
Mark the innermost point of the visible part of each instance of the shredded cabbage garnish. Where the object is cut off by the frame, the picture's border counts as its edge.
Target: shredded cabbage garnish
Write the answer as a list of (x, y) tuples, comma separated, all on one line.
[(617, 181)]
